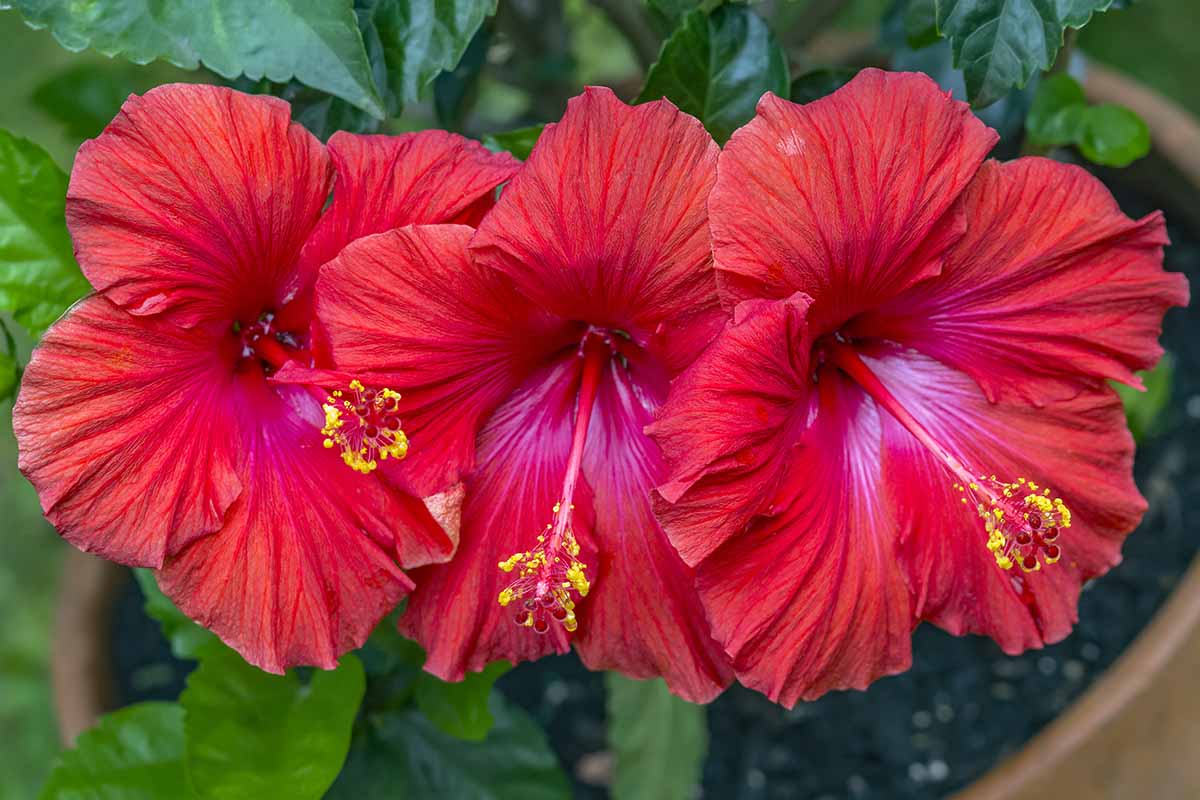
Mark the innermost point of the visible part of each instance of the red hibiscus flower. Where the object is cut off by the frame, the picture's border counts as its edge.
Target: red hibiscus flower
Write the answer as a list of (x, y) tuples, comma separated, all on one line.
[(920, 347), (147, 420), (531, 355)]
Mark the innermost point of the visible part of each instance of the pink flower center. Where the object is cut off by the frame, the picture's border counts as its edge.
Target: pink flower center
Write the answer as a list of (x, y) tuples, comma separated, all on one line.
[(549, 575), (1022, 520), (363, 423)]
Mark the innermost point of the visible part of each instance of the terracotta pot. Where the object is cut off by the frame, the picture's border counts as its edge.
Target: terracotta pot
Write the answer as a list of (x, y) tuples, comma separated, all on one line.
[(1135, 733)]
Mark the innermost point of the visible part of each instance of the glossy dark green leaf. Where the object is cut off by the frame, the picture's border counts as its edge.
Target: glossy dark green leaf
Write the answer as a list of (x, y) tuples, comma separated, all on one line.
[(658, 741), (38, 275), (454, 91), (1105, 134), (1144, 410), (460, 709), (920, 23), (819, 82), (665, 15), (253, 734), (402, 755), (716, 67), (518, 142), (416, 40), (187, 638), (317, 42), (132, 754), (999, 44)]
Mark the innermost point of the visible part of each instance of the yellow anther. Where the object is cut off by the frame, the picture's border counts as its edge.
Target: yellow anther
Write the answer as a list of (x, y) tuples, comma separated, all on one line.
[(549, 578), (1021, 520), (365, 426)]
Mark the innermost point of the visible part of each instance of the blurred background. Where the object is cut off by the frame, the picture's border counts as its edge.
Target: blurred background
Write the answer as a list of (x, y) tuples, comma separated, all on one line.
[(539, 54)]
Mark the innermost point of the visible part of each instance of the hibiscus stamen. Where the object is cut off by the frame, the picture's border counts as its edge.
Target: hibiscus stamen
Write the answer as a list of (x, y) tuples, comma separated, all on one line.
[(1022, 520), (1023, 523), (365, 425), (550, 576)]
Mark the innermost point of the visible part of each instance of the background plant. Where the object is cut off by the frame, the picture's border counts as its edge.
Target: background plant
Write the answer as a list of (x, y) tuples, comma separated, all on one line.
[(497, 71)]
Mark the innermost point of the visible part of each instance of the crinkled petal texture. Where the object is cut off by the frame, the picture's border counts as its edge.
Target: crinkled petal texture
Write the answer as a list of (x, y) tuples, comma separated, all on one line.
[(123, 429), (197, 200), (408, 309), (146, 447), (815, 501), (849, 199), (1052, 289), (604, 228), (778, 509), (386, 182), (304, 566), (606, 222), (1079, 447)]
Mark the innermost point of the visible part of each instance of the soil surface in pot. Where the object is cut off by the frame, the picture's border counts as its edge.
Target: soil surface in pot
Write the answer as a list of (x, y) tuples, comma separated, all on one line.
[(962, 707)]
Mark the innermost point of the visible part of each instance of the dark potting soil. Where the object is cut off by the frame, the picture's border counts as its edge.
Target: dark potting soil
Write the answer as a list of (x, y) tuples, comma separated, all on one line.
[(962, 707)]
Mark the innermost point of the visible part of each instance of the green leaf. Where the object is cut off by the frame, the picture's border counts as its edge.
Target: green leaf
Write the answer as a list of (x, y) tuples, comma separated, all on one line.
[(132, 754), (819, 82), (323, 114), (519, 142), (716, 67), (454, 91), (1114, 136), (418, 39), (1144, 409), (658, 740), (1105, 134), (999, 44), (1054, 118), (188, 639), (253, 734), (38, 275), (920, 23), (401, 754), (10, 375), (460, 709), (10, 366), (665, 15), (317, 42)]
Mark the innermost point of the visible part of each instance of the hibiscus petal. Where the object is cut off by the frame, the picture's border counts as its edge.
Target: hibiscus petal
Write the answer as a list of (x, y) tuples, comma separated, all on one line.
[(846, 198), (1051, 290), (303, 569), (801, 587), (1079, 447), (454, 613), (197, 200), (726, 424), (125, 431), (410, 310), (643, 616), (386, 182), (606, 221)]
